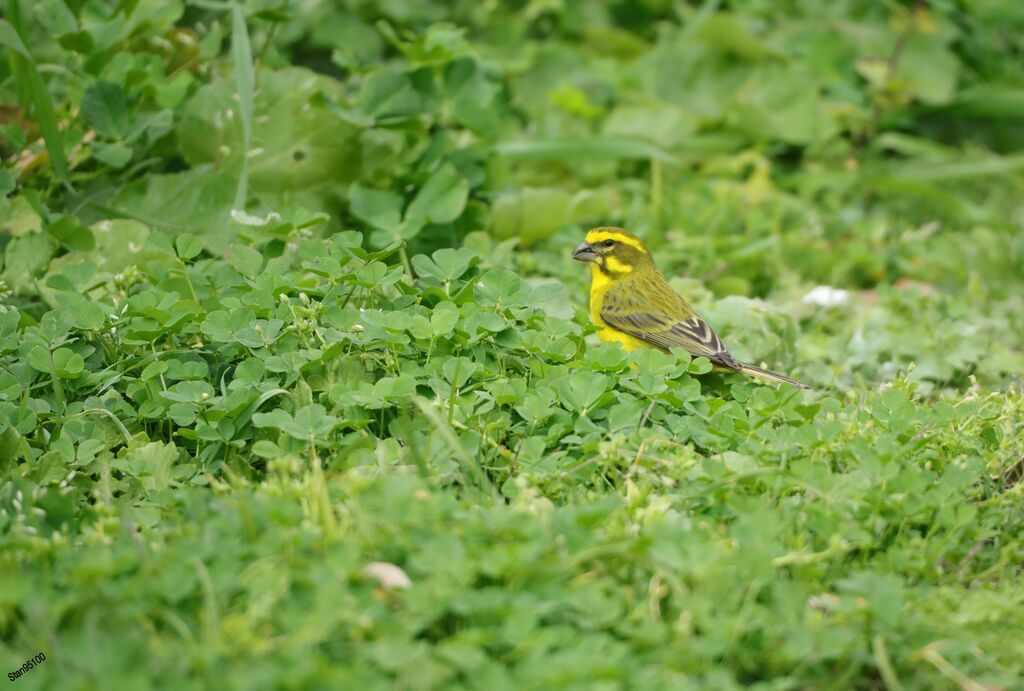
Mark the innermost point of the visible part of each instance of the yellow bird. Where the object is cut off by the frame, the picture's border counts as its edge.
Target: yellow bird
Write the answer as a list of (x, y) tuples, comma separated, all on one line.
[(634, 303)]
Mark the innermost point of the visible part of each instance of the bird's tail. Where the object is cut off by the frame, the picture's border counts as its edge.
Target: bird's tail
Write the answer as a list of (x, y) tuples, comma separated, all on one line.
[(768, 375)]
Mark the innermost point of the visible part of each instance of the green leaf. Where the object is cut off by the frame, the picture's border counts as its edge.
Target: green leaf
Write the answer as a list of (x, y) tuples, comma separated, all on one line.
[(197, 201), (531, 214), (115, 155), (310, 422), (380, 208), (446, 264), (459, 370), (188, 246), (27, 257), (153, 464), (442, 199), (105, 109), (443, 318), (8, 182), (77, 41), (67, 364), (389, 93), (39, 358), (929, 68), (10, 388), (297, 144), (265, 448), (81, 312), (244, 259), (9, 321), (194, 392), (583, 389), (501, 289), (153, 369), (119, 244), (72, 234)]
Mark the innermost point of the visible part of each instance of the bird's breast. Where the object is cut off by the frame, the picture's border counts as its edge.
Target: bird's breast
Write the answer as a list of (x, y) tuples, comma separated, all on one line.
[(600, 282), (599, 286)]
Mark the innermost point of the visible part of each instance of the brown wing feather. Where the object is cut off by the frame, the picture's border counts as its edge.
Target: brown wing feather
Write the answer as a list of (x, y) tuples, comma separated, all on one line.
[(664, 319)]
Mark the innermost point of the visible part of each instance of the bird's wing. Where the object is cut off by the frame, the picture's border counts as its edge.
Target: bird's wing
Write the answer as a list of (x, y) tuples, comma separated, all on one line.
[(663, 319)]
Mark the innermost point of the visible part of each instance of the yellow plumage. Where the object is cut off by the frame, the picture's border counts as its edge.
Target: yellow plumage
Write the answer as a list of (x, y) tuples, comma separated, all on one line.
[(637, 308)]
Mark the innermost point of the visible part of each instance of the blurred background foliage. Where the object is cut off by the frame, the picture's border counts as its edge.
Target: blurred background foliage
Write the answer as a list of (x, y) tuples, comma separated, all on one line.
[(287, 290), (759, 146)]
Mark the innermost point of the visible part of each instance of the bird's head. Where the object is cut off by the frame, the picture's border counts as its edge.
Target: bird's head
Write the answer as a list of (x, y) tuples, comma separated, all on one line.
[(613, 251)]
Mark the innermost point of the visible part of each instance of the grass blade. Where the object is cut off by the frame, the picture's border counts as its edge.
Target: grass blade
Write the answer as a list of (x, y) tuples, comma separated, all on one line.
[(9, 37), (30, 81), (47, 118), (958, 170), (628, 148), (241, 55)]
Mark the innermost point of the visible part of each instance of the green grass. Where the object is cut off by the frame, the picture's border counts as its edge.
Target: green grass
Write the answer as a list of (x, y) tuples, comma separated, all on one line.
[(298, 388)]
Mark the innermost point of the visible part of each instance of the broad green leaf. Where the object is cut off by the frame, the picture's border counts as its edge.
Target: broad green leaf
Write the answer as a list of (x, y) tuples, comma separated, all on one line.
[(27, 257), (929, 68), (197, 201), (81, 312), (500, 289), (309, 423), (244, 259), (380, 208), (443, 318), (10, 388), (193, 392), (459, 370), (153, 369), (71, 233), (67, 364), (9, 321), (660, 123), (297, 143), (188, 246), (531, 214), (39, 358), (581, 390), (446, 264), (389, 93), (116, 155), (7, 182), (105, 109), (441, 199)]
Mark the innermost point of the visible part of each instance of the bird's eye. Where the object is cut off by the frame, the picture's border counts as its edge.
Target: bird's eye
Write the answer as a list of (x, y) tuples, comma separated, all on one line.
[(608, 243)]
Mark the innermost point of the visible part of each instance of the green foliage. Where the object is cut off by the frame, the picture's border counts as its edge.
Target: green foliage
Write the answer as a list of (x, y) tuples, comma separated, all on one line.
[(297, 386)]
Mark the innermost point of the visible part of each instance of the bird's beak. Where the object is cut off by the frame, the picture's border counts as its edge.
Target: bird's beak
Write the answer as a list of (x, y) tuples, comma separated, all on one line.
[(584, 252)]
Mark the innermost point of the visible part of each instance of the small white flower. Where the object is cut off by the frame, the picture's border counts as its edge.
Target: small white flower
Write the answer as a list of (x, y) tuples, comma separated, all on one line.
[(387, 575), (248, 219), (827, 296)]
